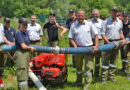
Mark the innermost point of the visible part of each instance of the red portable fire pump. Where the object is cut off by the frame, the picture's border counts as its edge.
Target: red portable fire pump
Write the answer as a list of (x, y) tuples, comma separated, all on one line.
[(50, 68)]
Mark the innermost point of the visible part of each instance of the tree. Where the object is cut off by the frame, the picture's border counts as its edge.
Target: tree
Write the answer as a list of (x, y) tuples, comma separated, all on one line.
[(18, 8)]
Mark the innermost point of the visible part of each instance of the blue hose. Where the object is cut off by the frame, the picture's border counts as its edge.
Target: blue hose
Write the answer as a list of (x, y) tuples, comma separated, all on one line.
[(81, 50), (66, 50)]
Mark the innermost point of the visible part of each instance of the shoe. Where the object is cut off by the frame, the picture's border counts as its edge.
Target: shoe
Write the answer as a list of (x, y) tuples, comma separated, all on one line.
[(128, 75), (121, 69), (103, 82), (86, 86), (78, 85), (112, 79), (126, 72), (129, 78)]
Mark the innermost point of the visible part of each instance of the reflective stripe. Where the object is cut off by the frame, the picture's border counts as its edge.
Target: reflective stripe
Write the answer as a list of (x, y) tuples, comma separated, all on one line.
[(79, 72), (87, 74), (105, 67), (126, 71), (124, 60), (128, 60), (111, 65), (1, 68), (23, 83), (97, 65)]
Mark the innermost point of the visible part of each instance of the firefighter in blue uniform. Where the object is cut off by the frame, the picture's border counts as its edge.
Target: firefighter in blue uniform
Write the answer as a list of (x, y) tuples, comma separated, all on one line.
[(22, 54)]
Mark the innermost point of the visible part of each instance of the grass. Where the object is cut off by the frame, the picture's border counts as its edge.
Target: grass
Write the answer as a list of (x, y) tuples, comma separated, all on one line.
[(122, 83)]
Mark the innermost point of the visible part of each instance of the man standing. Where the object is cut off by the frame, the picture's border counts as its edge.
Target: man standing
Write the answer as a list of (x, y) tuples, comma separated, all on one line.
[(10, 37), (125, 49), (35, 32), (112, 31), (69, 22), (72, 18), (52, 30), (2, 42), (98, 24), (9, 31), (80, 35)]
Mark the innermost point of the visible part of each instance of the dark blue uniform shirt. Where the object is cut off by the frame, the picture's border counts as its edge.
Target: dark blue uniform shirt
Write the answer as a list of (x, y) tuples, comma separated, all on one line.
[(126, 29), (69, 22), (10, 34), (21, 37)]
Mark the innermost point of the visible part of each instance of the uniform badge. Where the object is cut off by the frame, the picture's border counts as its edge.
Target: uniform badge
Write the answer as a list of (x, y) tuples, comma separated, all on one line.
[(12, 33)]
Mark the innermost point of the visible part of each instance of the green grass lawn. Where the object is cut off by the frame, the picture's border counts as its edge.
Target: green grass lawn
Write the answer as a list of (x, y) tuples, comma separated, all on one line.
[(122, 83)]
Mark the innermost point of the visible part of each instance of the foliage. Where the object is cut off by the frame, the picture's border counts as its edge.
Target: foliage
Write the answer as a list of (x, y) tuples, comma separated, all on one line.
[(18, 8)]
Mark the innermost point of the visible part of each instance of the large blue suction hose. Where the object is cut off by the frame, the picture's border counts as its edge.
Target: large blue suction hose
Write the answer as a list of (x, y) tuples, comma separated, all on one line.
[(67, 50)]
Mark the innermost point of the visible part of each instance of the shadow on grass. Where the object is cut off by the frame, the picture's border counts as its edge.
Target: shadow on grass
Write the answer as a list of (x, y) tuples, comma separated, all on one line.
[(96, 79), (121, 73), (67, 84), (9, 88)]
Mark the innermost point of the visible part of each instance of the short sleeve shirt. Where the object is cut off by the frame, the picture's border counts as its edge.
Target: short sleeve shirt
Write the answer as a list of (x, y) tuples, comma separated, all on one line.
[(82, 33), (98, 25), (10, 34), (52, 31), (34, 31), (126, 29), (111, 30), (1, 33), (69, 22), (21, 37)]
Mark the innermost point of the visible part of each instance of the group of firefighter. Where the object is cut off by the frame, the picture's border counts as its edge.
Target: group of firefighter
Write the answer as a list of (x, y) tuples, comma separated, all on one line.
[(82, 33)]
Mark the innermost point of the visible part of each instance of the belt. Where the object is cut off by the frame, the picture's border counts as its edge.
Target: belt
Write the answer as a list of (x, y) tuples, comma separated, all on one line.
[(94, 39), (36, 41), (114, 40)]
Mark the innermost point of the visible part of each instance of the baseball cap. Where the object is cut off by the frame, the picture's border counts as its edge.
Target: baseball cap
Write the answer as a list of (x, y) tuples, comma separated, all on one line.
[(114, 8), (52, 13), (71, 11), (125, 14), (6, 19), (23, 20)]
